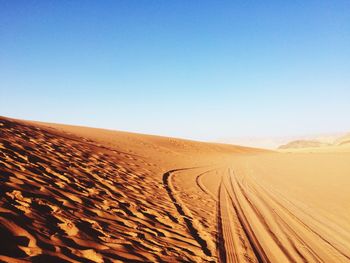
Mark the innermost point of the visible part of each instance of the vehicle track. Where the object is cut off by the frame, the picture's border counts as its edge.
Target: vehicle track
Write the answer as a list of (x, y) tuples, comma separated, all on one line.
[(202, 187), (252, 224), (301, 248), (248, 209), (300, 242), (193, 225), (244, 246), (220, 242)]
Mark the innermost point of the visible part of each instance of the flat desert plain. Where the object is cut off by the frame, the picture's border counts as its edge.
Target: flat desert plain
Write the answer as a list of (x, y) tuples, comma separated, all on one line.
[(76, 194)]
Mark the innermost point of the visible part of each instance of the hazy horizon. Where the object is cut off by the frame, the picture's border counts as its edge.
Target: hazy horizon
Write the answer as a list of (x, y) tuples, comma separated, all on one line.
[(190, 69)]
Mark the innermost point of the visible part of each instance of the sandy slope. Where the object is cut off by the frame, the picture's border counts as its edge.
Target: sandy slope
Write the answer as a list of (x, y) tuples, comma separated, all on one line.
[(75, 194)]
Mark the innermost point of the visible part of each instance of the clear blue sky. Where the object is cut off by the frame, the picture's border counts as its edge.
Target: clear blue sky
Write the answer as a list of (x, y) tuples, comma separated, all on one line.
[(193, 69)]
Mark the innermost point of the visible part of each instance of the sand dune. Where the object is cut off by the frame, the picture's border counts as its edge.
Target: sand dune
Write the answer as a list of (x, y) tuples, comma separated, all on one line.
[(77, 194)]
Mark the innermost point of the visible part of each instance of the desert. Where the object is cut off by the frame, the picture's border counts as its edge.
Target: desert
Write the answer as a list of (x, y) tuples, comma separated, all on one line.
[(174, 131), (77, 194)]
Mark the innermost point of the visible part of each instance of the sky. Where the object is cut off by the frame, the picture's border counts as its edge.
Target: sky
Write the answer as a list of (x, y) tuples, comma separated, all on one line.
[(193, 69)]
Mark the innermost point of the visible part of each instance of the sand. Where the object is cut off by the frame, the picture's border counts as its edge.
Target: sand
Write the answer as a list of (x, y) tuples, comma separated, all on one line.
[(77, 194)]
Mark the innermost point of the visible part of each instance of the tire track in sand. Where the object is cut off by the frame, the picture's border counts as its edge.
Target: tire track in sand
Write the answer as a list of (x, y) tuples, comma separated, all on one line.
[(300, 245), (202, 187), (193, 225), (236, 241)]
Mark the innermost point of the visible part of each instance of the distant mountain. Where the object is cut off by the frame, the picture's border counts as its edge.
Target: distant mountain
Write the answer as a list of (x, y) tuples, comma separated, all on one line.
[(289, 142), (339, 140), (343, 140), (297, 144)]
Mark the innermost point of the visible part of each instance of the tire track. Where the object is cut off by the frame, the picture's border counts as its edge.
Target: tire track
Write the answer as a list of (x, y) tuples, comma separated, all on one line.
[(202, 187), (220, 242), (289, 227), (252, 224), (276, 249), (193, 225), (307, 254), (291, 236), (227, 231), (246, 247)]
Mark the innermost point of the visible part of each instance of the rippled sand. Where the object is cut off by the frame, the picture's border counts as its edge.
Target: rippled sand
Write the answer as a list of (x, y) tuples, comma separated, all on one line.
[(75, 194)]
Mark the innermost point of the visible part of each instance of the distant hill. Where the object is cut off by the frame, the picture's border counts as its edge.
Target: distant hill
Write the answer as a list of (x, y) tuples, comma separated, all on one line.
[(343, 140), (297, 144), (290, 142), (317, 143)]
